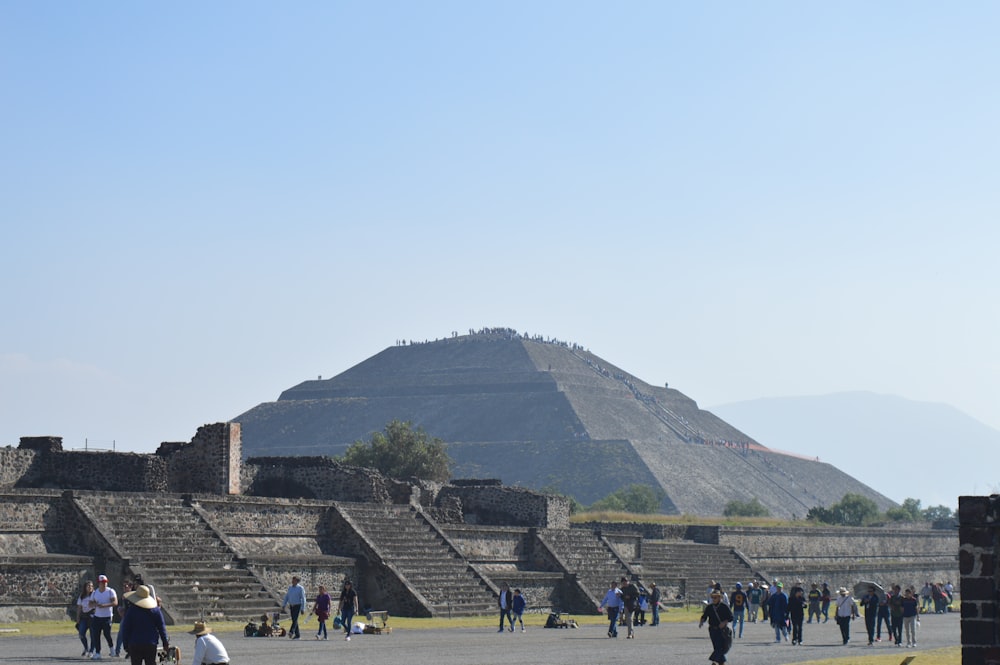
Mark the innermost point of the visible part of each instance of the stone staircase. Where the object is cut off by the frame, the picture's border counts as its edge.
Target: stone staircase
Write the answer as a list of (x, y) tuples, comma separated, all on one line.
[(697, 563), (423, 558), (584, 552), (194, 573)]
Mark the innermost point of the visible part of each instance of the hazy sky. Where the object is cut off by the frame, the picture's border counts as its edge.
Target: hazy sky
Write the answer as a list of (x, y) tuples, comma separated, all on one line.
[(204, 203)]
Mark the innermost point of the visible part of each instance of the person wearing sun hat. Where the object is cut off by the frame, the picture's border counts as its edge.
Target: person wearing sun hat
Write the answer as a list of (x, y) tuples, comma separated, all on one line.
[(847, 610), (208, 650), (143, 627)]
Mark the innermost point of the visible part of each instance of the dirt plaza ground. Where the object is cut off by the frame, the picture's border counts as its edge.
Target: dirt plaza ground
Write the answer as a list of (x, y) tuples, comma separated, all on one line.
[(668, 643)]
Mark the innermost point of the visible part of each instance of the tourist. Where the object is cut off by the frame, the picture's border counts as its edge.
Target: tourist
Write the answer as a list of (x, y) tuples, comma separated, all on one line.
[(143, 627), (718, 615), (847, 611), (630, 600), (505, 602), (925, 597), (518, 603), (104, 600), (295, 601), (612, 603), (815, 597), (896, 613), (883, 618), (347, 607), (777, 605), (870, 602), (756, 596), (84, 613), (825, 598), (654, 603), (796, 612), (208, 650), (765, 601), (321, 608), (910, 612), (123, 606), (738, 604)]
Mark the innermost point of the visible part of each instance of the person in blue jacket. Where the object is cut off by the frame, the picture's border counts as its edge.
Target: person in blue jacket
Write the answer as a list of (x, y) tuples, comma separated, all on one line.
[(778, 611), (517, 605)]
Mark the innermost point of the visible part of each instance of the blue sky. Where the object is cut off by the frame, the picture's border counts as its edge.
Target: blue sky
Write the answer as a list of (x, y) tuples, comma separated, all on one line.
[(206, 203)]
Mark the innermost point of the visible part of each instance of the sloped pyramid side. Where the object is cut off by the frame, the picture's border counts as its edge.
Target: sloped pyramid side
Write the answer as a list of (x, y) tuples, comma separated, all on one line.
[(544, 415)]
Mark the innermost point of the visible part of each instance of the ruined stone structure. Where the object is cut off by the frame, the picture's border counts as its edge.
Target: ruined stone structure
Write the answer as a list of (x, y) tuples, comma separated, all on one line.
[(546, 414), (220, 538), (979, 562)]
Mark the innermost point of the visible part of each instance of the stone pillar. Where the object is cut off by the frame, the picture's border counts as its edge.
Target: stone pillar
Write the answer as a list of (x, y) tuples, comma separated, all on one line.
[(979, 534)]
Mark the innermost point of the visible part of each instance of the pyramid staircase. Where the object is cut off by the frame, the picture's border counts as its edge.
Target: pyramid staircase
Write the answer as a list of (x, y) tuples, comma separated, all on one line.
[(422, 557), (193, 571), (699, 564), (586, 553)]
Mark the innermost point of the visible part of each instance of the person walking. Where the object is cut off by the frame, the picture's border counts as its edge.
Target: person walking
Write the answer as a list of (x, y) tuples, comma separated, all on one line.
[(718, 615), (896, 615), (208, 650), (518, 603), (815, 597), (825, 597), (654, 603), (796, 612), (143, 627), (321, 608), (505, 602), (738, 605), (347, 607), (104, 601), (911, 610), (870, 601), (630, 601), (778, 610), (84, 613), (847, 611), (295, 601), (611, 603), (756, 595), (123, 606)]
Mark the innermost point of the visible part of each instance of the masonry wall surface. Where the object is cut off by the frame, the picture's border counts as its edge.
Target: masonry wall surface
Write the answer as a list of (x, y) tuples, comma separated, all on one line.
[(979, 562)]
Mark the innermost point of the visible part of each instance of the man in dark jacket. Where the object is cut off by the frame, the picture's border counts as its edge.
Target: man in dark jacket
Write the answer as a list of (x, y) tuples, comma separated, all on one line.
[(143, 627)]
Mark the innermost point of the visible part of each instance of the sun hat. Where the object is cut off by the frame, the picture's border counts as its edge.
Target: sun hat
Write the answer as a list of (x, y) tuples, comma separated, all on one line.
[(842, 591), (200, 629), (141, 598)]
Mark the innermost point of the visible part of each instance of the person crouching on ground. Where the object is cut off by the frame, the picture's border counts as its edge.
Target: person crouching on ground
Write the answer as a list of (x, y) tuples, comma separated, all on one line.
[(143, 627), (208, 650), (718, 616)]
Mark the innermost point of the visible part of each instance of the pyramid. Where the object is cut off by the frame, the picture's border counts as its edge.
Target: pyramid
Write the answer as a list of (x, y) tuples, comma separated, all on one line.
[(547, 415)]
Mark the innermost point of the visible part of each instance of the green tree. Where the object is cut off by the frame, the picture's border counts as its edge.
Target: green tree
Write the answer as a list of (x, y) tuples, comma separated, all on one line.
[(402, 451), (933, 513), (909, 511), (851, 510), (752, 508), (636, 498)]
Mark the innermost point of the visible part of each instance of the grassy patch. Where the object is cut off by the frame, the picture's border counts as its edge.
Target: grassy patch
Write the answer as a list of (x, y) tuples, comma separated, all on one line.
[(946, 656)]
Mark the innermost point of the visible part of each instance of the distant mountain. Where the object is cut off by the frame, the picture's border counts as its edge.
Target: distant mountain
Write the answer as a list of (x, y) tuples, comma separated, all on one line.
[(902, 448)]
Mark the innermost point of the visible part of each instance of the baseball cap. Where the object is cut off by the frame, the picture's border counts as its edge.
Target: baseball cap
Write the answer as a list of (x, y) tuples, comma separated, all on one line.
[(102, 578)]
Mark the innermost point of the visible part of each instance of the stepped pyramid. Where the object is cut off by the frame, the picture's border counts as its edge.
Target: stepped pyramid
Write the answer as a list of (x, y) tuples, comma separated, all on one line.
[(546, 414)]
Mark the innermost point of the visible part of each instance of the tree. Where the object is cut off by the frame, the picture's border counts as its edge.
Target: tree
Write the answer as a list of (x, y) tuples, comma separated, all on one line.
[(641, 499), (910, 511), (401, 452), (933, 513), (851, 510), (752, 508)]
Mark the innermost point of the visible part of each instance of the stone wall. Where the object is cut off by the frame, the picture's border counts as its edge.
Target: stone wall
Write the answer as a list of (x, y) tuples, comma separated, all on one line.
[(17, 467), (317, 478), (209, 463), (509, 506), (857, 542), (979, 561)]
